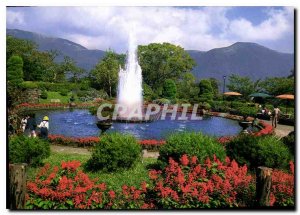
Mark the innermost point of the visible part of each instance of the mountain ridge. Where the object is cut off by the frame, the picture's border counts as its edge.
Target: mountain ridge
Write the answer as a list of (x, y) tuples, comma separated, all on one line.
[(242, 58)]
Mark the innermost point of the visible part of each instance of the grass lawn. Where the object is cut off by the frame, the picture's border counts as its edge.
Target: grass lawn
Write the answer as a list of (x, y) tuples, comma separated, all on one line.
[(56, 95), (131, 177)]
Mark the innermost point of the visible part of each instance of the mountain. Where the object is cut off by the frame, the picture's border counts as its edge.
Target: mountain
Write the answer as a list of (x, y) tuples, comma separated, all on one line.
[(242, 58), (84, 57)]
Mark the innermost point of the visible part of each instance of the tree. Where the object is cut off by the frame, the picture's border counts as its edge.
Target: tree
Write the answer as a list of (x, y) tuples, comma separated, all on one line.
[(169, 89), (105, 74), (215, 85), (243, 85), (163, 61), (186, 87), (15, 70), (205, 90), (148, 93), (276, 86)]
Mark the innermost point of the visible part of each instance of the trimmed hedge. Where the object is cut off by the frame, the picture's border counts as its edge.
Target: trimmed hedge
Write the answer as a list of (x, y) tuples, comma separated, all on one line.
[(114, 151), (256, 151), (24, 149)]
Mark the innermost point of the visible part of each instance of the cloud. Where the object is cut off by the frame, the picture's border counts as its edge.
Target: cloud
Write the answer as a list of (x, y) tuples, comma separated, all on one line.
[(14, 17), (199, 28), (279, 23)]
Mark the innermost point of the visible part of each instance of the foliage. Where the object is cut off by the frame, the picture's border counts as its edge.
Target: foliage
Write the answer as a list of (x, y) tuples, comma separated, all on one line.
[(243, 85), (220, 106), (212, 184), (64, 92), (257, 151), (148, 93), (15, 70), (38, 65), (283, 190), (192, 144), (289, 141), (215, 86), (162, 101), (186, 87), (28, 150), (277, 86), (44, 94), (105, 74), (163, 61), (29, 85), (169, 89), (205, 90), (114, 151), (90, 95)]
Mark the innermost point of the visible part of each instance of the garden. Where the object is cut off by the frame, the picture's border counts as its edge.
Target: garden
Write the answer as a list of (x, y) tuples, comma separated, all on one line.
[(192, 170)]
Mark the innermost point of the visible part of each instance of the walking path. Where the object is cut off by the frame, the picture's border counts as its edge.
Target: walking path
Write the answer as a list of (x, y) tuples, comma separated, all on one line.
[(85, 151), (281, 130)]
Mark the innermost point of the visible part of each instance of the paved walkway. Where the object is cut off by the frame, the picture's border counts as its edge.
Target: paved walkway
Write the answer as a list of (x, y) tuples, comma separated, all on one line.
[(281, 130), (85, 151)]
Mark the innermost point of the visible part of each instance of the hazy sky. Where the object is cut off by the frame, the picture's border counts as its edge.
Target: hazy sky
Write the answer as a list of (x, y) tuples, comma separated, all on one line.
[(194, 28)]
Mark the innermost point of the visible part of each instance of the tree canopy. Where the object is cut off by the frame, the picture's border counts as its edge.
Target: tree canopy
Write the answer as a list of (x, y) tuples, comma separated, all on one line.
[(15, 70), (105, 74), (163, 61)]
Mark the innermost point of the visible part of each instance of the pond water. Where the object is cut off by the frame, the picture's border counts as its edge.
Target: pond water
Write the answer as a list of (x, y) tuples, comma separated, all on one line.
[(81, 123)]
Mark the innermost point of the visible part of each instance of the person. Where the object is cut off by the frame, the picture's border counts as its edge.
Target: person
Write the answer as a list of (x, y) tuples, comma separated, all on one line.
[(44, 126), (275, 115), (31, 126), (24, 122)]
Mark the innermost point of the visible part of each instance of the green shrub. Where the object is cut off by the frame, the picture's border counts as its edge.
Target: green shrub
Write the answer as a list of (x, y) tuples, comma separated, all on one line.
[(247, 111), (114, 151), (44, 94), (289, 141), (29, 85), (162, 101), (28, 150), (64, 92), (255, 151), (190, 143)]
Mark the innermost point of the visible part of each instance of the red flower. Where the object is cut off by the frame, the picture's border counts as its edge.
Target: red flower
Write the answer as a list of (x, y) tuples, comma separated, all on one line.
[(184, 160), (112, 194)]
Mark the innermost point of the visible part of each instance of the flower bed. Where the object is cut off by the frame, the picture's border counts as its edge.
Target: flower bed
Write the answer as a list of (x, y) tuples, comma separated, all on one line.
[(32, 106), (186, 184), (91, 141)]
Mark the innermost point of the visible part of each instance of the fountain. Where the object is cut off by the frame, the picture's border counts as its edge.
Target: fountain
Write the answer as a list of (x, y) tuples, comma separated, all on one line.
[(130, 90)]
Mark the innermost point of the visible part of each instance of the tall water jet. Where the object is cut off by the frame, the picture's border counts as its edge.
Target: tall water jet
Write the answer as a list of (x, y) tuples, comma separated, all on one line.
[(130, 97)]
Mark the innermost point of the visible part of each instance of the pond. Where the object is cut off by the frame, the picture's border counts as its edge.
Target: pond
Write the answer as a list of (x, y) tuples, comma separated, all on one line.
[(81, 123)]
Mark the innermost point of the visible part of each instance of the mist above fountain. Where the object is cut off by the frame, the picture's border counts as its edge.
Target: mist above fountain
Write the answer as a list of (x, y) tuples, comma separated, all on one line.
[(130, 91)]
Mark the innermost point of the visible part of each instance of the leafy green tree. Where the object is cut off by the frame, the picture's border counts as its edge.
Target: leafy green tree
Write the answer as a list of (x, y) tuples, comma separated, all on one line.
[(186, 87), (105, 74), (205, 90), (243, 85), (276, 86), (148, 93), (215, 85), (163, 61), (15, 70), (169, 89)]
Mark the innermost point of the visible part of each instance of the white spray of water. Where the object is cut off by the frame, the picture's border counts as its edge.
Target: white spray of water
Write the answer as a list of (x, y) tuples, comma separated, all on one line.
[(130, 84)]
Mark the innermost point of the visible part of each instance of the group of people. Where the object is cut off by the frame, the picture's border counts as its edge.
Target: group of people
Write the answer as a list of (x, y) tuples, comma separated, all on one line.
[(274, 114), (29, 125)]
